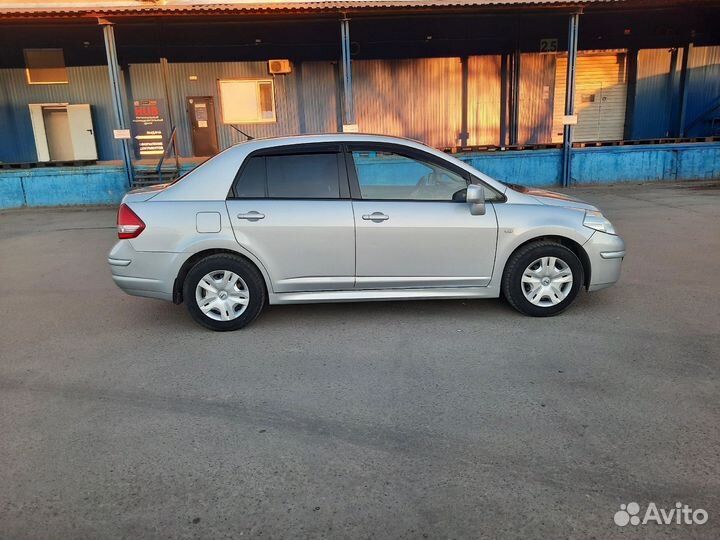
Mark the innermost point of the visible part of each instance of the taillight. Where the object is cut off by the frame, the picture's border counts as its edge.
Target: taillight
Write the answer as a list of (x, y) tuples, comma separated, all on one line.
[(129, 225)]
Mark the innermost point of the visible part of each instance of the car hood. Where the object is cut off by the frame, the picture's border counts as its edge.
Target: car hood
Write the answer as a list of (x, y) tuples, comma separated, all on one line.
[(553, 198)]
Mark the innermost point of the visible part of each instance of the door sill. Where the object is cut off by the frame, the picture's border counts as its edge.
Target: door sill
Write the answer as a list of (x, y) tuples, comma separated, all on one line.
[(373, 295)]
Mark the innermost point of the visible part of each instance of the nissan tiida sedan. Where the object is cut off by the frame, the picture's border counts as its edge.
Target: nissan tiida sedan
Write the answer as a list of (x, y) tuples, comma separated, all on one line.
[(348, 217)]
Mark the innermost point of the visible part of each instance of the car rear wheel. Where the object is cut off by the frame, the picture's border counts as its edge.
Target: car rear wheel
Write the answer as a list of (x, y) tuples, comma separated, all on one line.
[(542, 278), (224, 292)]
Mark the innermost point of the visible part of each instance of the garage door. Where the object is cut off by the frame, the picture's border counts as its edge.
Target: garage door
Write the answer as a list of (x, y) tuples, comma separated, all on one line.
[(600, 93)]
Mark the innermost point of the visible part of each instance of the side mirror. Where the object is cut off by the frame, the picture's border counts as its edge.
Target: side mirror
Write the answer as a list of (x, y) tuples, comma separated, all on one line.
[(476, 199)]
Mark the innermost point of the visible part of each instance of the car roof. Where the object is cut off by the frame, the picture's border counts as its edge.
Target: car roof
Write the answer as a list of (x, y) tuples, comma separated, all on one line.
[(268, 142), (215, 176)]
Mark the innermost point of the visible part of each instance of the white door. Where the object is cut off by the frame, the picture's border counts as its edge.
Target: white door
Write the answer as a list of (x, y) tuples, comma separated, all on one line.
[(38, 127), (57, 132), (82, 133)]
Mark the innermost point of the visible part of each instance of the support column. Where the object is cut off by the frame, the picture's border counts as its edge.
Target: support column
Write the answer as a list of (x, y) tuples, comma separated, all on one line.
[(632, 68), (671, 130), (117, 96), (515, 97), (464, 135), (165, 72), (570, 98), (504, 93), (346, 69), (682, 91)]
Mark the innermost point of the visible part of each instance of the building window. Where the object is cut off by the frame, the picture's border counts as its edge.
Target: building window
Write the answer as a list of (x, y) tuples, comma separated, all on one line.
[(247, 101), (45, 66)]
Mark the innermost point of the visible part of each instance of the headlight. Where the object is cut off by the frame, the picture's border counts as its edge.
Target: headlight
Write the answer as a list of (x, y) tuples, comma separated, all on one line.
[(595, 220)]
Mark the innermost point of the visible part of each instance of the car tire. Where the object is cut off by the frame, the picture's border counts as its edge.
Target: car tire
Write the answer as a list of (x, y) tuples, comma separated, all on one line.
[(535, 281), (231, 295)]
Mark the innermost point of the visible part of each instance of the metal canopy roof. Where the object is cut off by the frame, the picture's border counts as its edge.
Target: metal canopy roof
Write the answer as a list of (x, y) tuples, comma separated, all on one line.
[(75, 10)]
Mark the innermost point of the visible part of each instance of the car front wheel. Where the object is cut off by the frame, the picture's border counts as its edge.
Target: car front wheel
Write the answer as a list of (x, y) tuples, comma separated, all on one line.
[(224, 292), (542, 278)]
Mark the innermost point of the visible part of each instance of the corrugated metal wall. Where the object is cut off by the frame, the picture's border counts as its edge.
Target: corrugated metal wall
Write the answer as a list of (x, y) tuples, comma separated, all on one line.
[(536, 98), (484, 97), (420, 99), (655, 93), (87, 84), (702, 113), (305, 99), (600, 96)]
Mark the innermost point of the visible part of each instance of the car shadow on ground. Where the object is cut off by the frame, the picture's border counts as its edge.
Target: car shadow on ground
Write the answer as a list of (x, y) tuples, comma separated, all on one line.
[(322, 316)]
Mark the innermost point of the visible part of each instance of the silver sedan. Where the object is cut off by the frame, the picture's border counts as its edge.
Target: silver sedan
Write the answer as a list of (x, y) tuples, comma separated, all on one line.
[(348, 217)]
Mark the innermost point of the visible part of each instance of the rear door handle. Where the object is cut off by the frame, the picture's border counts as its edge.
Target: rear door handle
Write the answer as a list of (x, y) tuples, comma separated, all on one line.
[(251, 216), (377, 217)]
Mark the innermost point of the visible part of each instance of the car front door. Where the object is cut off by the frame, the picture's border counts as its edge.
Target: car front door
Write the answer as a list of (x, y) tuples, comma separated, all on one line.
[(412, 226), (290, 207)]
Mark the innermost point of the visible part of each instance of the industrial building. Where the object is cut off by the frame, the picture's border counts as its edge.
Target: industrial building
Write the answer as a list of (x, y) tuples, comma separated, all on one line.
[(96, 98)]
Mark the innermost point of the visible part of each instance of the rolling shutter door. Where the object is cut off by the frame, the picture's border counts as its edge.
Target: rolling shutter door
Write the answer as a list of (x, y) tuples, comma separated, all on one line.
[(600, 94)]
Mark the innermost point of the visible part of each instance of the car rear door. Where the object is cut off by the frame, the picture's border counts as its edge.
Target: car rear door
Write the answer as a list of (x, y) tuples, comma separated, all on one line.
[(290, 207), (413, 228)]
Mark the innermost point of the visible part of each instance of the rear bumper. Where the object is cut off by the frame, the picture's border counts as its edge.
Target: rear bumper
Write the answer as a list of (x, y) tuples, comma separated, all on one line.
[(606, 253), (143, 273)]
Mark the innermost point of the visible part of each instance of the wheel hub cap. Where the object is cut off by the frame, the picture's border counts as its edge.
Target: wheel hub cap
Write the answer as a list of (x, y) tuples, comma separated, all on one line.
[(222, 295), (547, 281)]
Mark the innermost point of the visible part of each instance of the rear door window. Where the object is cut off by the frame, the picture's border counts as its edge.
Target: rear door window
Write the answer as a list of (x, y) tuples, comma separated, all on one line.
[(293, 174), (303, 176)]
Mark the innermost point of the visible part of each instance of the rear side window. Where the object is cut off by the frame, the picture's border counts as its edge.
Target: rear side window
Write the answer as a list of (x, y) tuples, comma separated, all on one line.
[(251, 180), (303, 176), (290, 176)]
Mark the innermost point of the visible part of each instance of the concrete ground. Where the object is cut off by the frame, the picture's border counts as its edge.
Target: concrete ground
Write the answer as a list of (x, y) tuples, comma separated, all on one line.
[(121, 418)]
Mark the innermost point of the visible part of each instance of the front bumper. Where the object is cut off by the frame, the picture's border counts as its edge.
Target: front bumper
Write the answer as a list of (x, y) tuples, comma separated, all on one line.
[(143, 273), (606, 253)]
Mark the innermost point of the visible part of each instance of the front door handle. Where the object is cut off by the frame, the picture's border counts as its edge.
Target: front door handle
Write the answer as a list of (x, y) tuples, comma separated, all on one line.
[(251, 216), (377, 217)]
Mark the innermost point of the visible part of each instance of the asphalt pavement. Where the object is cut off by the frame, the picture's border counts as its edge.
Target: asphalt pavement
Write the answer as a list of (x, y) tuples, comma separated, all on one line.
[(121, 418)]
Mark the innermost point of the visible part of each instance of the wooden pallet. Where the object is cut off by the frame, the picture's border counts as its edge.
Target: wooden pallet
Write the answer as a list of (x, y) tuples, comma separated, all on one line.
[(44, 164), (16, 165)]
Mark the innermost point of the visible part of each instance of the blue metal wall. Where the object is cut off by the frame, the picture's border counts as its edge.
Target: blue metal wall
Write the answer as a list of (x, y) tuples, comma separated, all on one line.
[(702, 114), (106, 185), (657, 94), (603, 165), (88, 84)]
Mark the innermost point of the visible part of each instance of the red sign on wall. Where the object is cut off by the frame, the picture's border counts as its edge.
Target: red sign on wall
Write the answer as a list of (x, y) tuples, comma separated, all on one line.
[(149, 127)]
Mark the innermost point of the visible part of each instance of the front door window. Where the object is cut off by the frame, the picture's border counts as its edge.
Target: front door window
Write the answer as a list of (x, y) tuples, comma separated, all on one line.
[(385, 175)]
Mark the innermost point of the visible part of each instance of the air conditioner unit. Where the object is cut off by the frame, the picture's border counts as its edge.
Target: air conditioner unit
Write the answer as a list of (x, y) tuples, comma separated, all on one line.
[(279, 66)]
